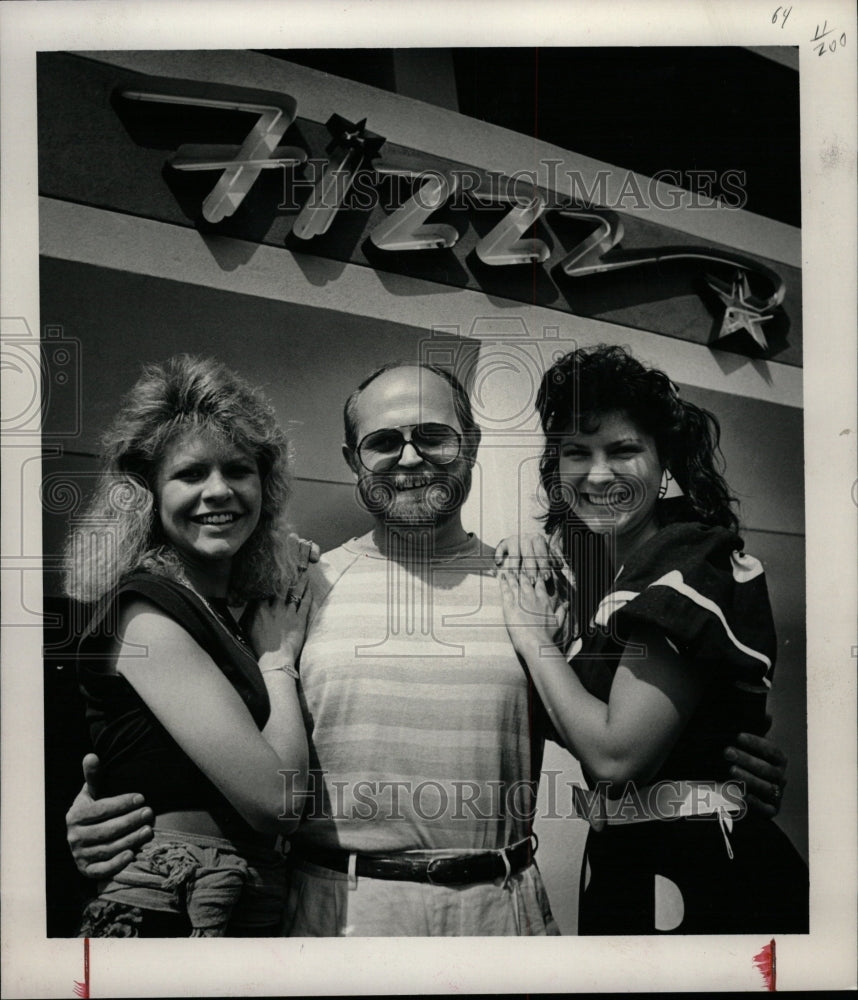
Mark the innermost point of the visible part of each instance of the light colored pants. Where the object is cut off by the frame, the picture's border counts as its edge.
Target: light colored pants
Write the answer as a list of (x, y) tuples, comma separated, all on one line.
[(323, 903)]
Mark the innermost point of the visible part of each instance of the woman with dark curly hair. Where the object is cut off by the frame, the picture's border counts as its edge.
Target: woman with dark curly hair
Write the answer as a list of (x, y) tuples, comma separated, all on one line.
[(671, 642), (184, 704)]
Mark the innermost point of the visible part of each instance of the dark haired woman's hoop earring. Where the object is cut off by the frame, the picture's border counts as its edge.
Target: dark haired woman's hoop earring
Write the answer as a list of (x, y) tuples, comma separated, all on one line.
[(666, 477)]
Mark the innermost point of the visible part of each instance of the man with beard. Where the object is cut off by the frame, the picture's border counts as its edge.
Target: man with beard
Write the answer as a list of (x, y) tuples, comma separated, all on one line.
[(425, 740)]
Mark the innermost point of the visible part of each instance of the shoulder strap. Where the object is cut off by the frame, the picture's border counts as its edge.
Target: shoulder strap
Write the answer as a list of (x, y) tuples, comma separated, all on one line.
[(192, 613), (184, 606)]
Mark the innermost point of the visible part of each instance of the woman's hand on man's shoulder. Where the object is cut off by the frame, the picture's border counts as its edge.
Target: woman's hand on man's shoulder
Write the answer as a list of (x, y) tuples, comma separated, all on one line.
[(530, 555)]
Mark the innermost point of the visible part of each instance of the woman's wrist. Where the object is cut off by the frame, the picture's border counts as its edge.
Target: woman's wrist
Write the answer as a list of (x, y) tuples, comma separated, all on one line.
[(274, 662), (537, 644), (269, 676)]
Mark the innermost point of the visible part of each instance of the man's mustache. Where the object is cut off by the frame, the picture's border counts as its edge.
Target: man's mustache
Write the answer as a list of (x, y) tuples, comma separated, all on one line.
[(439, 491), (410, 481)]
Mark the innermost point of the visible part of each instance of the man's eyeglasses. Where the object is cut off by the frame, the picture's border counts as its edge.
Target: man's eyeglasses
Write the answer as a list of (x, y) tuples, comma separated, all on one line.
[(436, 443)]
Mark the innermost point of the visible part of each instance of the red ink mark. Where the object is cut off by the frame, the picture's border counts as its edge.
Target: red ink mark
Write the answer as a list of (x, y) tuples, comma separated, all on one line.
[(766, 963), (82, 989)]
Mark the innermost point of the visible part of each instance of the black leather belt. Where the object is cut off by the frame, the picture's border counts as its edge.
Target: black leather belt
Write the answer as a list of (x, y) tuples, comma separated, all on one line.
[(460, 869)]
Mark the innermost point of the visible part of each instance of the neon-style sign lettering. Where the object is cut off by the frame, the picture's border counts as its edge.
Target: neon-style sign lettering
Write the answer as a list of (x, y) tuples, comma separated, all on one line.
[(405, 229), (240, 166), (743, 311), (503, 245), (355, 146)]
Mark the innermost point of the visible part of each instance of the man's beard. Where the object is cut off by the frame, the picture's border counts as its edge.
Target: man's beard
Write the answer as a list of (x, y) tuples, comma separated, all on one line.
[(416, 498)]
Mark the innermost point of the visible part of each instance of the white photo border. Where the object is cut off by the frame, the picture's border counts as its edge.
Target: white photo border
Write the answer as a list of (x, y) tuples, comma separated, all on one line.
[(826, 958)]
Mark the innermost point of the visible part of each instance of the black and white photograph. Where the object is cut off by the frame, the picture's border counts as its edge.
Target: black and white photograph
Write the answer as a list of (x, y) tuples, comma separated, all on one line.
[(429, 499)]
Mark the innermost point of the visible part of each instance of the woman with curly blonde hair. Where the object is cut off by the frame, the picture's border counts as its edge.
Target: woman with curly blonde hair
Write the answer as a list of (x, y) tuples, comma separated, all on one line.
[(184, 704)]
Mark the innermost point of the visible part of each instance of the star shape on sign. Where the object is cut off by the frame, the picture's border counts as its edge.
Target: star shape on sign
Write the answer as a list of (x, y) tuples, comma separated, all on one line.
[(739, 313), (354, 135)]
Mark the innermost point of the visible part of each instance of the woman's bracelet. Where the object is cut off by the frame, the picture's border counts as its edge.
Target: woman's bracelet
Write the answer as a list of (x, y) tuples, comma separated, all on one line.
[(286, 668)]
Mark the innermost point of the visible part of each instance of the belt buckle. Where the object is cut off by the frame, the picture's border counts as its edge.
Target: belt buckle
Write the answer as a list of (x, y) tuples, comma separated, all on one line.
[(430, 868)]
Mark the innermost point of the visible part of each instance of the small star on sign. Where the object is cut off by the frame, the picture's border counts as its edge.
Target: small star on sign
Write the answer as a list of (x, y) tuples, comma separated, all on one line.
[(354, 135), (739, 313)]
